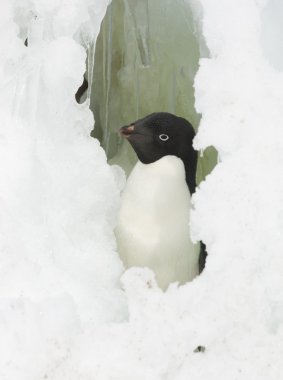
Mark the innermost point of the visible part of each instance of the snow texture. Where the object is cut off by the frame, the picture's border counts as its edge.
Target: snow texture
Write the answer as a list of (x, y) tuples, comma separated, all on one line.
[(59, 270), (63, 315)]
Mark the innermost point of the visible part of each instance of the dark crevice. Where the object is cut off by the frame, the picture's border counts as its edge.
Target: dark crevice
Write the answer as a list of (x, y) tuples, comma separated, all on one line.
[(81, 91)]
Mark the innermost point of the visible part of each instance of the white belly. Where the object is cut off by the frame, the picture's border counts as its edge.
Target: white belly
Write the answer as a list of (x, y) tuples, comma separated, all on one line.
[(153, 222)]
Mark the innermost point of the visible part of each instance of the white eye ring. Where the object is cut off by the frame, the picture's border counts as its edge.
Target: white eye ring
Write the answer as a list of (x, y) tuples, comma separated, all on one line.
[(163, 137)]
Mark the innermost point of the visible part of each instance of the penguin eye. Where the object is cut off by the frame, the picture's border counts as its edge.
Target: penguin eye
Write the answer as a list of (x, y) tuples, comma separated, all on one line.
[(163, 137)]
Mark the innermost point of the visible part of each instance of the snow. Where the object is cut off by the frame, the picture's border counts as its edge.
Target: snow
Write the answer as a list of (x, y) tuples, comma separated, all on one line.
[(63, 313), (59, 267)]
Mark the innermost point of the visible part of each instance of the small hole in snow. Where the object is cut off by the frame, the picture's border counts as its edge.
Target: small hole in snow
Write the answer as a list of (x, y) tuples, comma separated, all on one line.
[(200, 349)]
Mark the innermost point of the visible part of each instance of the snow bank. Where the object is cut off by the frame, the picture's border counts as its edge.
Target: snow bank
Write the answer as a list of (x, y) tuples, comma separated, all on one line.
[(59, 271)]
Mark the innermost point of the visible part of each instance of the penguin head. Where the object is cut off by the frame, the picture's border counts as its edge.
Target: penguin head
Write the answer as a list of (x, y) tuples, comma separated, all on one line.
[(160, 134)]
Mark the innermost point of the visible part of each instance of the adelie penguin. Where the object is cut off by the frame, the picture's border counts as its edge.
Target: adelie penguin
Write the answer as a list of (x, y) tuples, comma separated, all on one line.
[(153, 220)]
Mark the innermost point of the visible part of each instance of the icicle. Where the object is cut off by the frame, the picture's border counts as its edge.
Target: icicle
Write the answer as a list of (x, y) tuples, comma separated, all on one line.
[(108, 80), (90, 66), (26, 95), (140, 14)]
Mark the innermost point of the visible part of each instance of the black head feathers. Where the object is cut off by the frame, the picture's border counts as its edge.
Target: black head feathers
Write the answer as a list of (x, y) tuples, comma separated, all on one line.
[(161, 134)]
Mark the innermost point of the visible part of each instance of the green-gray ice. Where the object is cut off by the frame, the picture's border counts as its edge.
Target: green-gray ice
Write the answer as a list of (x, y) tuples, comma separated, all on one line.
[(146, 58)]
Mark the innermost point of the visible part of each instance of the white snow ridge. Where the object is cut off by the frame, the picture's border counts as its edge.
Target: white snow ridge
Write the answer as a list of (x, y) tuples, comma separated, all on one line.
[(63, 312)]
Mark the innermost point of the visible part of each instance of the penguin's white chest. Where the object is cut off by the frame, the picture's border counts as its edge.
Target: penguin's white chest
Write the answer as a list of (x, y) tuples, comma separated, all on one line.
[(153, 222)]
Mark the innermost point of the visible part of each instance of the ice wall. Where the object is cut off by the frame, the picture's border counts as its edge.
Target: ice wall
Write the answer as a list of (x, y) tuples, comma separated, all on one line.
[(59, 271), (146, 58)]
